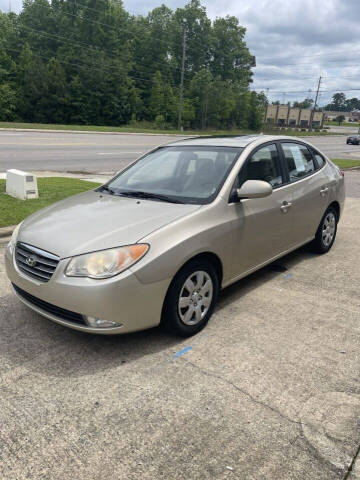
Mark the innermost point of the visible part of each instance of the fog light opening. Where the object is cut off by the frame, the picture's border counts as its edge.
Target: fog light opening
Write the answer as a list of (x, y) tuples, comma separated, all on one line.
[(100, 323)]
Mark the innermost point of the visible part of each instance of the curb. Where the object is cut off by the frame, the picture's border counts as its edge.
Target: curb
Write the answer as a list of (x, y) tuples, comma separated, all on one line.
[(39, 130), (7, 231)]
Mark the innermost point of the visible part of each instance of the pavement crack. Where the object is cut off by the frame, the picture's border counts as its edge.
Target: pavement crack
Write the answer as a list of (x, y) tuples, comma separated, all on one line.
[(244, 392), (351, 465)]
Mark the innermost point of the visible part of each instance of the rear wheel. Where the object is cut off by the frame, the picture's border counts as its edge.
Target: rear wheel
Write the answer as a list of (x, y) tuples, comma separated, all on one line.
[(191, 298), (326, 232)]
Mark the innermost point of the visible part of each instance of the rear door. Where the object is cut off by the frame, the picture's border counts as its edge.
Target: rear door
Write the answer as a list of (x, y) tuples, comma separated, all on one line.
[(262, 226), (308, 184)]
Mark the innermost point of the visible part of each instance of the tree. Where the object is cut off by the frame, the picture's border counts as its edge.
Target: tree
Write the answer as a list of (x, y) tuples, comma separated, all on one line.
[(8, 90), (7, 102), (307, 103), (256, 112), (338, 103), (54, 104), (231, 57), (162, 101), (339, 100), (200, 92), (92, 62), (340, 119), (352, 104)]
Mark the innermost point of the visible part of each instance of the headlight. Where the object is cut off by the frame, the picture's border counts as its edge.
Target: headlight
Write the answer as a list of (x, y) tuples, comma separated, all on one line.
[(106, 263), (14, 237)]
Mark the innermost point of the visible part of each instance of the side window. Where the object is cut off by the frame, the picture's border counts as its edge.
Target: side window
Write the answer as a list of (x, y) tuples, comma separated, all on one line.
[(264, 165), (298, 159), (320, 161)]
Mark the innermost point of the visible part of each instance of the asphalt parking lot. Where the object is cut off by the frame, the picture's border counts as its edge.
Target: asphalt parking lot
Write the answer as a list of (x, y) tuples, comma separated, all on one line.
[(269, 390)]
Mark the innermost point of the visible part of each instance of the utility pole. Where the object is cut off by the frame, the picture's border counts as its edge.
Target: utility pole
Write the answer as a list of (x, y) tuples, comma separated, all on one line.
[(317, 93), (182, 79), (315, 104)]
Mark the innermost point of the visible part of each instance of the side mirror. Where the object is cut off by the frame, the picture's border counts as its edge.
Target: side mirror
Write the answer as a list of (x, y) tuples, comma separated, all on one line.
[(254, 189)]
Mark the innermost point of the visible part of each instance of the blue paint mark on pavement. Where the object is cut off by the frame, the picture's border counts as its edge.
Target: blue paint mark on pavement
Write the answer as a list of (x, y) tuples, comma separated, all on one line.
[(288, 275), (182, 352)]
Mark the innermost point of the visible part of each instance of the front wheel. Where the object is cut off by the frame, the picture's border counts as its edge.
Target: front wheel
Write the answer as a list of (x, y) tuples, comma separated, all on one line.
[(191, 298), (326, 232)]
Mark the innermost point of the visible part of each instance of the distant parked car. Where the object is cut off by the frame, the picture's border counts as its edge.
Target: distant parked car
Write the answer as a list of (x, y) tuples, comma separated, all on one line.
[(159, 240), (353, 140)]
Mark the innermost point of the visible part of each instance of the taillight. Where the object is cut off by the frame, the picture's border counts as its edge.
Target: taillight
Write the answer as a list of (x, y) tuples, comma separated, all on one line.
[(342, 173)]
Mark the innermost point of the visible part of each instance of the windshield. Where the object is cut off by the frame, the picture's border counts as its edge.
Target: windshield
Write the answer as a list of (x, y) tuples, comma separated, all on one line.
[(183, 174)]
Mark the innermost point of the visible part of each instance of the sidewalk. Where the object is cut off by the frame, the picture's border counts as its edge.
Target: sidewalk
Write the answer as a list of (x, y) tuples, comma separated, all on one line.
[(101, 177)]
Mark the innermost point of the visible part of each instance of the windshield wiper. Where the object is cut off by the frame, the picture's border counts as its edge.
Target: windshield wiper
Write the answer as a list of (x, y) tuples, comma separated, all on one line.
[(108, 189), (155, 196)]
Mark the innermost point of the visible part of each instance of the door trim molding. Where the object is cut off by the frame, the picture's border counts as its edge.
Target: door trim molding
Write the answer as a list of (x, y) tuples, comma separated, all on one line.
[(263, 264)]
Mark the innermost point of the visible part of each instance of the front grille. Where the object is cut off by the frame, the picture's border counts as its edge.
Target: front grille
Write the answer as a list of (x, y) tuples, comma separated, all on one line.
[(34, 262), (49, 308)]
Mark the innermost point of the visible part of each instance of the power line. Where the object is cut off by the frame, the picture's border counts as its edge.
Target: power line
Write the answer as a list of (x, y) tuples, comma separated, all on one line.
[(94, 48), (317, 54), (306, 64), (91, 67), (307, 91), (117, 29), (99, 50)]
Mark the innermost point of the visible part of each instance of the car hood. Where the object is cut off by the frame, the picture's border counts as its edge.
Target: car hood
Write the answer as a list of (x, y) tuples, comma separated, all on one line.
[(92, 221)]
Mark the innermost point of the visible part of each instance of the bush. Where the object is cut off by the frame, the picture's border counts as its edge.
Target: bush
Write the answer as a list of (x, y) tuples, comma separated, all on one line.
[(160, 121)]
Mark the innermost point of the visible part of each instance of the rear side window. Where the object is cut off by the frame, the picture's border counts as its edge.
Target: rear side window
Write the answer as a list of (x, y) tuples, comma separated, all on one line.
[(298, 159), (320, 161)]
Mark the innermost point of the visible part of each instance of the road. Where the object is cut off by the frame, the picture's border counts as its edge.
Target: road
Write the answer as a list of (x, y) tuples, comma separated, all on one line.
[(34, 151), (269, 390), (344, 129)]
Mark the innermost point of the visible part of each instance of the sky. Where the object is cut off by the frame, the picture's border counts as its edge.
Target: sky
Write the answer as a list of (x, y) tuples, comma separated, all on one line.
[(294, 42)]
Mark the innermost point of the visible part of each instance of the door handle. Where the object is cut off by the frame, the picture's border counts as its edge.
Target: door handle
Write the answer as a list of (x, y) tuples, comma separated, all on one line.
[(285, 207), (324, 191)]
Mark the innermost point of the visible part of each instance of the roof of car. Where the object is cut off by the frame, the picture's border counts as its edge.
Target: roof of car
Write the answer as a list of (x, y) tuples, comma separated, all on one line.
[(221, 141)]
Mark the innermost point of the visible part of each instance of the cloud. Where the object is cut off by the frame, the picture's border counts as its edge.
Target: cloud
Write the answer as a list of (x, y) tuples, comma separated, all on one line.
[(10, 5), (297, 41), (294, 42)]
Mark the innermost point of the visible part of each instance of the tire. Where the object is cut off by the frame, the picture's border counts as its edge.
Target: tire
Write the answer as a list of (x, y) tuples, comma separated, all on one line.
[(326, 232), (197, 306)]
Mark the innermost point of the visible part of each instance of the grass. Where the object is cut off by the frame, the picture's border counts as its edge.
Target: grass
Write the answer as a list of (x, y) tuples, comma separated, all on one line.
[(346, 162), (147, 129), (343, 124), (124, 129), (13, 210), (296, 133)]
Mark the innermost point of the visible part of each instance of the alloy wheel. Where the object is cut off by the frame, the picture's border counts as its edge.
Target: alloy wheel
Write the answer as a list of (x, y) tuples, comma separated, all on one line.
[(328, 229), (195, 298)]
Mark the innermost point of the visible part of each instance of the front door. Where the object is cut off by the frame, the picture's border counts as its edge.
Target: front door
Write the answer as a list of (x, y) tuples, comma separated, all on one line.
[(262, 227)]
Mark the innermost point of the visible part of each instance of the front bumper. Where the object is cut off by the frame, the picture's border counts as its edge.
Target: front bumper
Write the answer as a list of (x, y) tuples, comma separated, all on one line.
[(122, 299)]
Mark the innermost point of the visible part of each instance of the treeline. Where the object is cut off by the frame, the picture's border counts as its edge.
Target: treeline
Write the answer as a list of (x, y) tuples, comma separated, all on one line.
[(92, 62), (340, 103)]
